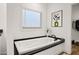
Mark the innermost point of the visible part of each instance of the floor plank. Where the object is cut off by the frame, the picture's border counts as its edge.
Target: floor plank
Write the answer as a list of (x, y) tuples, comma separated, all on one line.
[(75, 49)]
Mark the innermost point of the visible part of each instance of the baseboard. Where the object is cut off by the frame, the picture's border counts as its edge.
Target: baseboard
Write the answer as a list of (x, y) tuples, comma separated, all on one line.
[(76, 40)]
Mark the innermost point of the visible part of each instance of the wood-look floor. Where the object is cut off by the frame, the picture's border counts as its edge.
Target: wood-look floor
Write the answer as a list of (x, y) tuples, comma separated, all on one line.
[(75, 49)]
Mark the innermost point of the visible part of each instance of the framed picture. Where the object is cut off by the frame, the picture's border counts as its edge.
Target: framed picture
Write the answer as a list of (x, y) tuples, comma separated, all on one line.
[(56, 18)]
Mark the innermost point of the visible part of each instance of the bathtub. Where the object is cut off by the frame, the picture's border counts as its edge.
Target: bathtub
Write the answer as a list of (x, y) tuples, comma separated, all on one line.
[(42, 45)]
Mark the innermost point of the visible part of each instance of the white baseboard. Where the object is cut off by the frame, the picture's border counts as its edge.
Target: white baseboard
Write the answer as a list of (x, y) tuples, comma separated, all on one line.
[(76, 40)]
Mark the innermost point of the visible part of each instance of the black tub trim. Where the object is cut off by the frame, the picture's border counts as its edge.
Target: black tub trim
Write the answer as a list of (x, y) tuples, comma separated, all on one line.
[(15, 50), (29, 38), (39, 49)]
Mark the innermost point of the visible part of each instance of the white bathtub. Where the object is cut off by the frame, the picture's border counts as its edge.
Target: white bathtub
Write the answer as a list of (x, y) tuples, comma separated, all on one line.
[(56, 50), (29, 45)]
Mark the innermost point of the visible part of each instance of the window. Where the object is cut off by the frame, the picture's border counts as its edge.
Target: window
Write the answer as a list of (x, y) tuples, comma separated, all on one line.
[(31, 19)]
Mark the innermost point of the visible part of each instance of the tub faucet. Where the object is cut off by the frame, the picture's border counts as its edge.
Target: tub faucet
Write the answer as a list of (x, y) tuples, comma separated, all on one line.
[(54, 36)]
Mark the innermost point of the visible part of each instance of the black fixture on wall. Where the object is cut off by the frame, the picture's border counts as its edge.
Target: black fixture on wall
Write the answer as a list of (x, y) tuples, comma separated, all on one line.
[(75, 25), (1, 31)]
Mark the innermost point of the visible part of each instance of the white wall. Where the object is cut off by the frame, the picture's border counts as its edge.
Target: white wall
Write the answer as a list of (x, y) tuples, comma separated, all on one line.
[(14, 21), (75, 16), (65, 30), (3, 26)]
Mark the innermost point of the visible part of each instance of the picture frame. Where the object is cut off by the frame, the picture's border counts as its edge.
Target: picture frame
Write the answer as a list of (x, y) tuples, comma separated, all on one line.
[(56, 18)]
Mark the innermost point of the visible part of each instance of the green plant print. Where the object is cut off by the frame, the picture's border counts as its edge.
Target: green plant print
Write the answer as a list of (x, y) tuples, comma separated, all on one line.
[(56, 24)]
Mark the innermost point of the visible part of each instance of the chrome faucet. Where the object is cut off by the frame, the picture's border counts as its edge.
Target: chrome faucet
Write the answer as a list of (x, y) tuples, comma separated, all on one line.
[(54, 36)]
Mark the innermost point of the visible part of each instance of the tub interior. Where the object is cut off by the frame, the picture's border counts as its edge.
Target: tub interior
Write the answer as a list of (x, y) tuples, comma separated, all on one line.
[(29, 45)]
